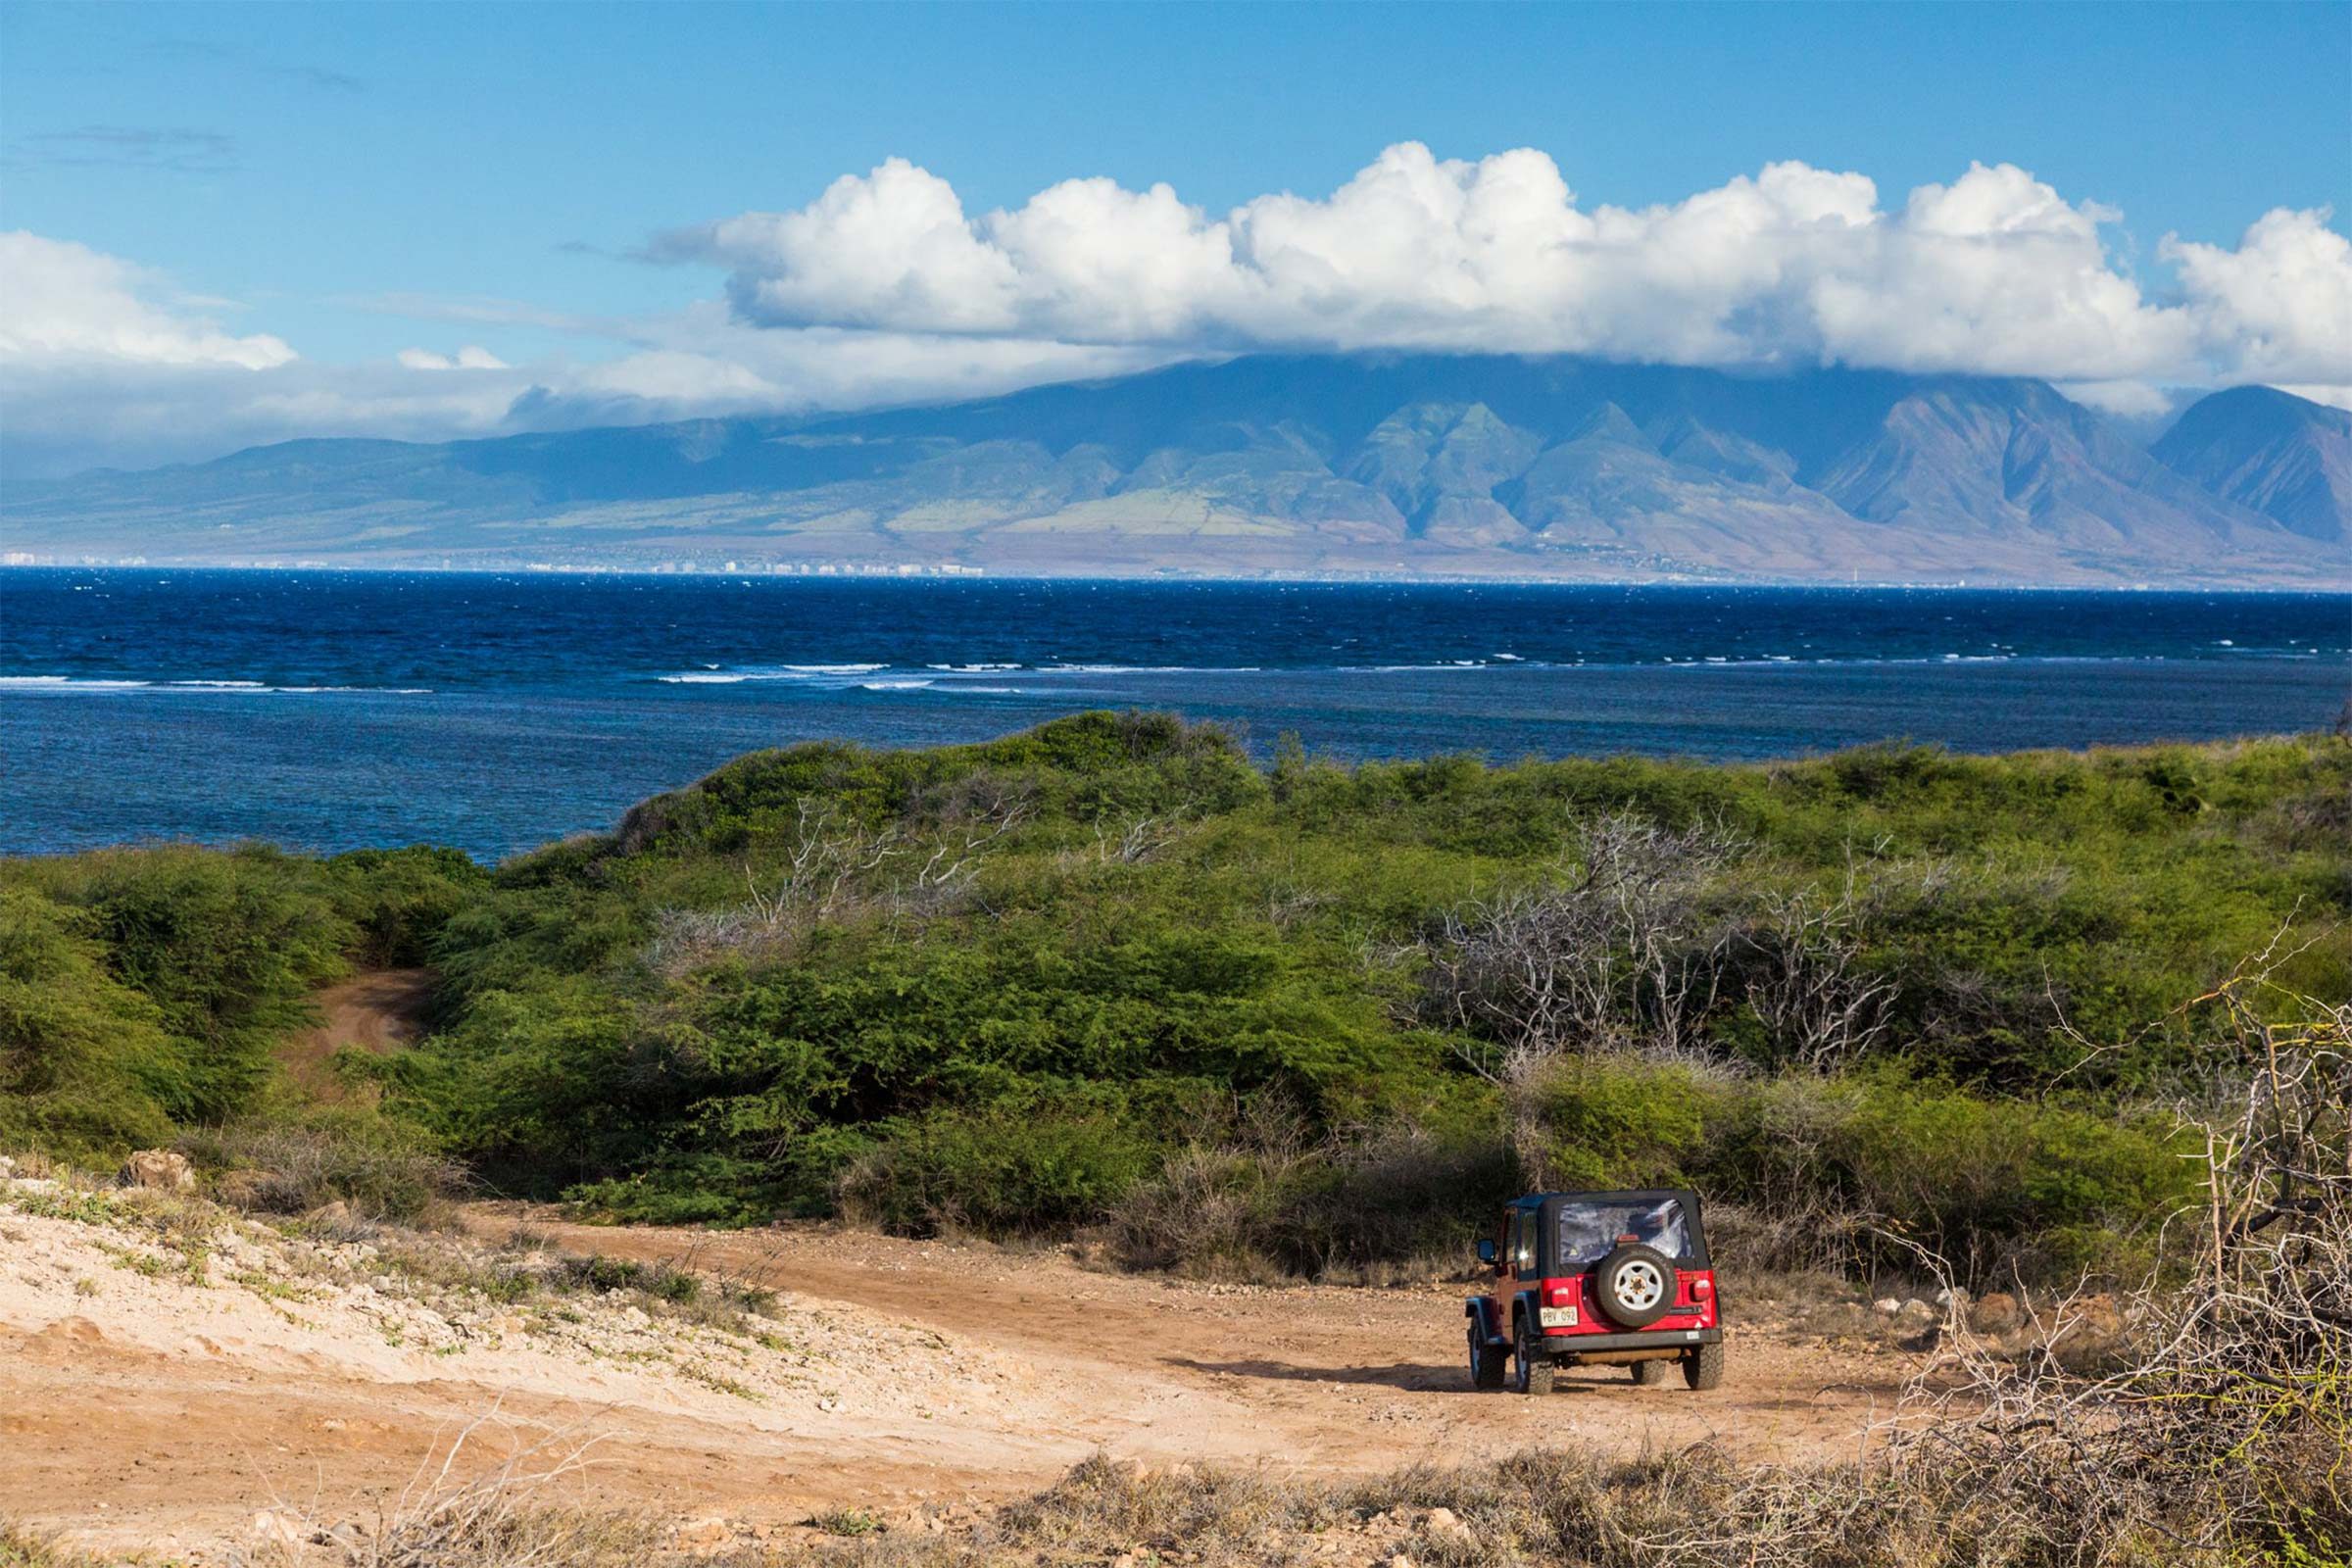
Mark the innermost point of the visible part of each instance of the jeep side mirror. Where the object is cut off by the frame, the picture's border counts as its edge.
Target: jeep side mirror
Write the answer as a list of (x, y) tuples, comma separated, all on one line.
[(1486, 1249)]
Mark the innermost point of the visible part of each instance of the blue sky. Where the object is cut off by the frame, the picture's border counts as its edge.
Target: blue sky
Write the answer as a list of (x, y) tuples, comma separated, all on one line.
[(356, 181)]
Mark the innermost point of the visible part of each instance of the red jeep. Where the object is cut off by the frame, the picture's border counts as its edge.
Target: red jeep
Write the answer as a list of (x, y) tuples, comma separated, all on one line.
[(1598, 1279)]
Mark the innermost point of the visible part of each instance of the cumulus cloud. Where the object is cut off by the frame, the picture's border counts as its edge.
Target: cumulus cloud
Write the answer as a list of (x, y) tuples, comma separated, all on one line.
[(886, 289), (68, 304), (1995, 272), (2279, 308), (103, 364)]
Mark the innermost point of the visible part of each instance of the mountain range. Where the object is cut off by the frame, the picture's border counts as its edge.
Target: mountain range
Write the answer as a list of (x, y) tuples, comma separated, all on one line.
[(1390, 465)]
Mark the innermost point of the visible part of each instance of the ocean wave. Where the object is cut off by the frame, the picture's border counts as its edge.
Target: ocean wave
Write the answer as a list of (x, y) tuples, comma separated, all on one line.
[(232, 688), (1150, 669), (972, 669), (720, 675), (895, 685), (52, 683), (1421, 669)]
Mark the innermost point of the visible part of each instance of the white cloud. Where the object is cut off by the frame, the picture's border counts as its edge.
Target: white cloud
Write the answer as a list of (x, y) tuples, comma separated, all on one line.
[(62, 303), (2280, 306), (87, 381), (472, 357), (885, 289), (2126, 399), (1995, 272), (2336, 397)]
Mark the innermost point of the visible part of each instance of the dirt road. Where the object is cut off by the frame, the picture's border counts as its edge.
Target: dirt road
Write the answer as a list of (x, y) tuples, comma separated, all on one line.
[(156, 1400), (141, 1409), (376, 1010), (1338, 1378)]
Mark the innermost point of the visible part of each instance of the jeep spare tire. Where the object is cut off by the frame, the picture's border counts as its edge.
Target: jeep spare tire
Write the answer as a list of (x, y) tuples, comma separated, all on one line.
[(1635, 1285)]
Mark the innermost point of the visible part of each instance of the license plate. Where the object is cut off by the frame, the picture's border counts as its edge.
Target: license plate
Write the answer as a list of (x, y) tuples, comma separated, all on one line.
[(1558, 1317)]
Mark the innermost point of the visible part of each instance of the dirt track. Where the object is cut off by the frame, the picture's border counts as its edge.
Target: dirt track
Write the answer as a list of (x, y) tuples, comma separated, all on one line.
[(377, 1010), (142, 1408), (1339, 1378), (169, 1422)]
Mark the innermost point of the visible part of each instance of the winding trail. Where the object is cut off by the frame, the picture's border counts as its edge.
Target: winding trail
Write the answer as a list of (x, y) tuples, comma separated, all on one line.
[(376, 1010)]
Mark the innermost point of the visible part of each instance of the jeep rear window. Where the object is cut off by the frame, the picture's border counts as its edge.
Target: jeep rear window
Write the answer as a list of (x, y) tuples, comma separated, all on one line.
[(1588, 1232)]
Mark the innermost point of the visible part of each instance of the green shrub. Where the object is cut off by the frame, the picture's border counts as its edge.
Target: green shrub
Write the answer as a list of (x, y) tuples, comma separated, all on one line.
[(398, 901), (604, 1275), (1620, 1121), (227, 949), (86, 1071), (1995, 1187), (1005, 1170), (1142, 931)]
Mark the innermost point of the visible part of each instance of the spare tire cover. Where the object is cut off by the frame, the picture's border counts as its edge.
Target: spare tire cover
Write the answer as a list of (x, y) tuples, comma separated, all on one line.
[(1635, 1285)]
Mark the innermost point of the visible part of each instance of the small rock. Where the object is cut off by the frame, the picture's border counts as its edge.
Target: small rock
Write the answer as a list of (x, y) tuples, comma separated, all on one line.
[(161, 1170), (1997, 1313), (271, 1527), (1916, 1308), (1445, 1526), (1952, 1296), (8, 1169), (1886, 1306)]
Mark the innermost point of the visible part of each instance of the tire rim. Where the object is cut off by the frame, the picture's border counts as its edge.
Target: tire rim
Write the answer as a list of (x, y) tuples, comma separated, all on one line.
[(1640, 1286)]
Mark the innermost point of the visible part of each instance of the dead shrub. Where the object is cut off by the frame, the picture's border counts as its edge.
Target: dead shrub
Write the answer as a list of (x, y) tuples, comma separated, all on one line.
[(375, 1173)]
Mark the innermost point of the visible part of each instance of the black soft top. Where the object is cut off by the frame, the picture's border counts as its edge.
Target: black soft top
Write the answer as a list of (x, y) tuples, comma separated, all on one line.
[(1550, 1203)]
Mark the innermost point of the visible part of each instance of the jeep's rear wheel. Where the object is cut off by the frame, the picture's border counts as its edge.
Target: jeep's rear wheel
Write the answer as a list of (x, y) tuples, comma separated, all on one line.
[(1702, 1368), (1650, 1374), (1534, 1367), (1485, 1362)]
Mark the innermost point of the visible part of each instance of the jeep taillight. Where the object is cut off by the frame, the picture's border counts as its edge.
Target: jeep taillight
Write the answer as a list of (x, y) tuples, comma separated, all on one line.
[(1560, 1307)]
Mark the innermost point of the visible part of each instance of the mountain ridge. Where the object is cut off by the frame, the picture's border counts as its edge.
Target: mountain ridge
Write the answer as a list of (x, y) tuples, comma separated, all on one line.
[(1392, 464), (2280, 455)]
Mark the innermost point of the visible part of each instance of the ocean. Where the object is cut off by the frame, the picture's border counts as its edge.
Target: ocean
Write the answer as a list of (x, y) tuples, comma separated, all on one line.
[(330, 710)]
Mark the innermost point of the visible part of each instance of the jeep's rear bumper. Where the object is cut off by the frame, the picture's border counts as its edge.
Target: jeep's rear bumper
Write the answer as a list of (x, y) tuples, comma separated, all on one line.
[(1571, 1342)]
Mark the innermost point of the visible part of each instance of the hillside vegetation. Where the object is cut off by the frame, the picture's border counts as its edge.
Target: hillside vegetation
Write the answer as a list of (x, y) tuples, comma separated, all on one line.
[(1108, 976)]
